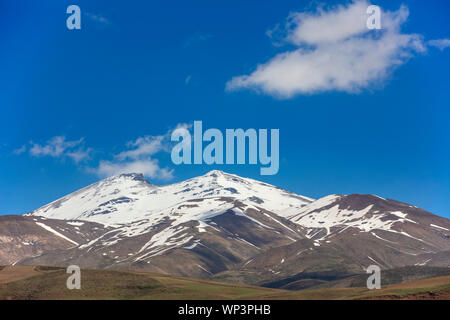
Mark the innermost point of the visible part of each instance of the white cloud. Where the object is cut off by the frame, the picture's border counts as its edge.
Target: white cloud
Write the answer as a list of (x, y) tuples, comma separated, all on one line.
[(186, 126), (440, 43), (20, 150), (139, 157), (341, 23), (79, 155), (334, 51), (98, 18), (143, 146), (149, 168), (59, 147)]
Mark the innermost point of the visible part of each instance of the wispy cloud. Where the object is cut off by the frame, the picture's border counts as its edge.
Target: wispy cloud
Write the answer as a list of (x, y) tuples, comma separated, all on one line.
[(98, 18), (334, 51), (79, 154), (142, 147), (20, 150), (139, 156), (57, 147), (440, 43), (149, 168)]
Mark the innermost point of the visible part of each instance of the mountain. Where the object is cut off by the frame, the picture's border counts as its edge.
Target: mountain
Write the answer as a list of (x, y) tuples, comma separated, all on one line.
[(347, 233), (130, 197), (22, 236), (226, 227), (194, 228)]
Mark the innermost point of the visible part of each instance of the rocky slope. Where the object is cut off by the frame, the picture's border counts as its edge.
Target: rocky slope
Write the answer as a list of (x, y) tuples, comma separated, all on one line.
[(22, 237), (346, 234)]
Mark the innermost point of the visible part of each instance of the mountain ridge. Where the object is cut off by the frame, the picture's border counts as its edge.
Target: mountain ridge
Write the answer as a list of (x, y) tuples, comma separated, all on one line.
[(238, 229)]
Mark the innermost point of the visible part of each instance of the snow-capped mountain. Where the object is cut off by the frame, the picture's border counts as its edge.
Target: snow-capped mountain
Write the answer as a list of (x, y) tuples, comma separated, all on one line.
[(213, 221), (347, 233), (129, 197), (370, 214), (222, 225)]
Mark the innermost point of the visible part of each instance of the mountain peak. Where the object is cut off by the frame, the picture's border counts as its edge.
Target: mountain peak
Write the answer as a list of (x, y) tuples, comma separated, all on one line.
[(129, 197), (131, 176), (215, 172)]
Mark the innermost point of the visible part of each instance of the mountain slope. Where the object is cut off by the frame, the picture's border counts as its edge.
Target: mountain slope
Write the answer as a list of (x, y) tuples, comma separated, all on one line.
[(196, 228), (367, 213), (345, 235), (221, 225), (22, 237)]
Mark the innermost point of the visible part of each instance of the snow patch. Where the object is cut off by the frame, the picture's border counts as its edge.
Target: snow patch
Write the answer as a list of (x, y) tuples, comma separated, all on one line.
[(55, 232)]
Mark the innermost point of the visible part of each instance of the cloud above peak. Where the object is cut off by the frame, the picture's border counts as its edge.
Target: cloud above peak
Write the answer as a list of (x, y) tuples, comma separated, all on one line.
[(334, 50), (142, 146), (139, 156), (148, 167)]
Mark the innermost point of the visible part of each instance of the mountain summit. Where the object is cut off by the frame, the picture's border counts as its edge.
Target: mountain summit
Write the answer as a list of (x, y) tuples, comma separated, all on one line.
[(129, 197), (220, 225)]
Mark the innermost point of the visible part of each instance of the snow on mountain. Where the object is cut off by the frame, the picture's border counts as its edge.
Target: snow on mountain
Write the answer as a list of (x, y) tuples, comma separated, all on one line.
[(22, 237), (129, 197), (220, 221), (327, 213), (367, 213), (134, 207), (129, 201), (210, 222)]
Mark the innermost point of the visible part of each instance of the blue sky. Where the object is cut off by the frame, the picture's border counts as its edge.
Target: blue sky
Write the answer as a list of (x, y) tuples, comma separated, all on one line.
[(75, 99)]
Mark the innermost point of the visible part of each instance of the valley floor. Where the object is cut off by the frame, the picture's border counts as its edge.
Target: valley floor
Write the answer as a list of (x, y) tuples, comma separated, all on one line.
[(49, 283)]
